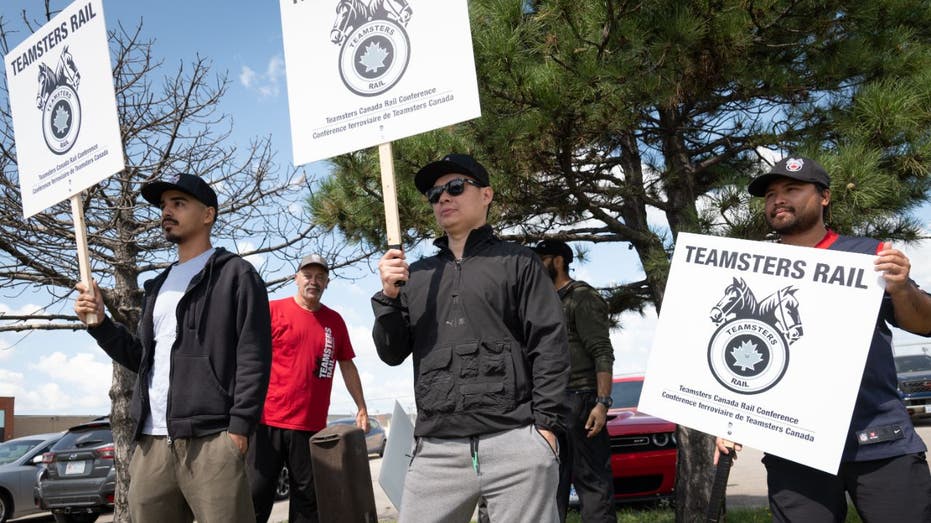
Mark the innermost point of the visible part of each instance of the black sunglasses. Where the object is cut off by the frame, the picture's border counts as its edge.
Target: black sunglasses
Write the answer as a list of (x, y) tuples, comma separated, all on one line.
[(454, 187)]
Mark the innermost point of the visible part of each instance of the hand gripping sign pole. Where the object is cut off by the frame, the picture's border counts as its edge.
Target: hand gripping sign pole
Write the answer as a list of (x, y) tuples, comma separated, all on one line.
[(390, 196), (80, 237)]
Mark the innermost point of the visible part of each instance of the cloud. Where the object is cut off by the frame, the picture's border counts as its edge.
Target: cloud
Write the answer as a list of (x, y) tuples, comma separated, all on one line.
[(23, 310), (632, 342), (257, 260), (29, 308), (267, 84), (61, 384), (6, 350), (10, 382), (919, 254), (247, 76), (382, 384)]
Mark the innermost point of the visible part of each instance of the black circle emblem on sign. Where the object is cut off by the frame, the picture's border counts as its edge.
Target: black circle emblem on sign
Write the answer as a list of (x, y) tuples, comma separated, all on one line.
[(374, 57), (61, 119), (748, 356)]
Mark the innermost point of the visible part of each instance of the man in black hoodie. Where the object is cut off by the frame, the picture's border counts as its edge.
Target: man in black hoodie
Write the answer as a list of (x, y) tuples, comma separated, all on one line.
[(202, 353), (490, 360)]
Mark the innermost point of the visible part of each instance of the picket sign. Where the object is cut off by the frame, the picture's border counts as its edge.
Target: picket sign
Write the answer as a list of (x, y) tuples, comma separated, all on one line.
[(65, 121), (366, 74)]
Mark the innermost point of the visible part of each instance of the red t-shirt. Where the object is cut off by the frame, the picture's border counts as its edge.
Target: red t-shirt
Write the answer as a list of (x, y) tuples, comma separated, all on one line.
[(305, 348)]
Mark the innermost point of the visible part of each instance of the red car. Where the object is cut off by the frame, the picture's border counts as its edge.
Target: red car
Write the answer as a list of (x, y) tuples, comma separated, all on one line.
[(643, 448)]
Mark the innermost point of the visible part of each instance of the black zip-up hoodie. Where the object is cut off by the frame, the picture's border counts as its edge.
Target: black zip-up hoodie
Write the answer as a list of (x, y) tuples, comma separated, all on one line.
[(487, 336), (221, 358)]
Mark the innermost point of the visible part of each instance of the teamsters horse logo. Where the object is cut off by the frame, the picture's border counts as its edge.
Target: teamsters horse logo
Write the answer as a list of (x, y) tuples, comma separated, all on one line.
[(749, 352), (374, 47), (59, 103)]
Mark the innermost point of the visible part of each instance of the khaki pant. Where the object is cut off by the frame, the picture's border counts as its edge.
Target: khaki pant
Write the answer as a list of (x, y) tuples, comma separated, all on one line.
[(202, 478)]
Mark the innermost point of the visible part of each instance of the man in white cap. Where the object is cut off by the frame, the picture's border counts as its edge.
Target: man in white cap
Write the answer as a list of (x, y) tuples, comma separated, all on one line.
[(309, 339)]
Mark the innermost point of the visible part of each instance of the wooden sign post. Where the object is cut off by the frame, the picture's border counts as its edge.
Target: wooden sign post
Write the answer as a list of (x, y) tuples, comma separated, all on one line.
[(390, 195), (80, 237)]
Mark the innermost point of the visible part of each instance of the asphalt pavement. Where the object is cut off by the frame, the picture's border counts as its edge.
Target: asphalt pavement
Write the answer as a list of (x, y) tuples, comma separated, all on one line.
[(746, 487), (386, 510)]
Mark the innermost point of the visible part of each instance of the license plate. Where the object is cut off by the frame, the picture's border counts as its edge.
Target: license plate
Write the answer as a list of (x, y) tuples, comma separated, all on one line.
[(927, 408), (74, 467)]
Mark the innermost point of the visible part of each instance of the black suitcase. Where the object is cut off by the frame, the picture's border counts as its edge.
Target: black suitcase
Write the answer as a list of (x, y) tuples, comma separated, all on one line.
[(342, 479)]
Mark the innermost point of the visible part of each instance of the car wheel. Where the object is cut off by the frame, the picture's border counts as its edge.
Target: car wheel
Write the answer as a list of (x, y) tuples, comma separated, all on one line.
[(76, 517), (381, 450), (283, 488), (6, 508)]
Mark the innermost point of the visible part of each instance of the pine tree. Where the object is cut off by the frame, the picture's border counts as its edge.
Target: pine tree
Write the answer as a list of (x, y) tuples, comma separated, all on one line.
[(595, 112)]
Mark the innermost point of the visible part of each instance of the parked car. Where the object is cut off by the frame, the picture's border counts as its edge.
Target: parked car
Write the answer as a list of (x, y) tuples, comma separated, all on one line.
[(375, 438), (20, 460), (79, 478), (283, 489), (914, 373), (643, 447)]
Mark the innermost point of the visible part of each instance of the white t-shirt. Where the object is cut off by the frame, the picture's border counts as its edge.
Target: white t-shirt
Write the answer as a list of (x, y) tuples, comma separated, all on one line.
[(165, 323)]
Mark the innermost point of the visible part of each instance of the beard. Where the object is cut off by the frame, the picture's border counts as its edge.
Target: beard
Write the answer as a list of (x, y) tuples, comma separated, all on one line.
[(795, 224), (171, 236)]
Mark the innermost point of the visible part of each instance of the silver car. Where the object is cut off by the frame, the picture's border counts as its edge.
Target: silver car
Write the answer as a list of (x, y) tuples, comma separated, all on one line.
[(375, 438), (20, 461)]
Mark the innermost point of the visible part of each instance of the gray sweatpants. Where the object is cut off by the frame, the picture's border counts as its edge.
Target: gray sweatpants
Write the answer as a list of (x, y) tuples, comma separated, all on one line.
[(516, 471)]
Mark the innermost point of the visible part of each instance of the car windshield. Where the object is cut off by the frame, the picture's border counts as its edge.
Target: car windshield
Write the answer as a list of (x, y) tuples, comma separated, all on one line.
[(913, 363), (11, 451), (82, 438), (626, 394)]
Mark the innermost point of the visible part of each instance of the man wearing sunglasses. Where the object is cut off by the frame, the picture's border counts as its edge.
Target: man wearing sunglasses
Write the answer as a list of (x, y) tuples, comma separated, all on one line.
[(490, 360)]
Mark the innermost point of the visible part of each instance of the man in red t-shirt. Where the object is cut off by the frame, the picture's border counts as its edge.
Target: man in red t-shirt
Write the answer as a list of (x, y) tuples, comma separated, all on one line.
[(308, 341)]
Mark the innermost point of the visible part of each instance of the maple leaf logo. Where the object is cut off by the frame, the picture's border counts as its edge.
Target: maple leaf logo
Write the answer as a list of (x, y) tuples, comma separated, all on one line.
[(374, 57), (746, 356), (60, 121)]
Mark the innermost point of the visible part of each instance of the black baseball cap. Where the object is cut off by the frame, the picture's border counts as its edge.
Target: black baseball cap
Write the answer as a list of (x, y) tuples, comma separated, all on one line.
[(554, 248), (186, 183), (450, 164), (795, 167)]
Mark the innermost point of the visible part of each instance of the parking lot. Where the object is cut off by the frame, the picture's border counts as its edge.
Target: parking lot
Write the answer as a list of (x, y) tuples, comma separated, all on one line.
[(280, 513), (746, 487)]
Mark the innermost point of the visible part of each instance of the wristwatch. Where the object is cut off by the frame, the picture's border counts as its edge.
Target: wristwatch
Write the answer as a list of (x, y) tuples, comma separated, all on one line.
[(607, 401)]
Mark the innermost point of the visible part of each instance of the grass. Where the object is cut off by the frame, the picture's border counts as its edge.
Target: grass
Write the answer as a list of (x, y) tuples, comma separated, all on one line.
[(668, 515)]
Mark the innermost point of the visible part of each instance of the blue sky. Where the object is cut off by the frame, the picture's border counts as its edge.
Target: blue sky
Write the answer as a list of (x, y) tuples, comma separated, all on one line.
[(65, 373)]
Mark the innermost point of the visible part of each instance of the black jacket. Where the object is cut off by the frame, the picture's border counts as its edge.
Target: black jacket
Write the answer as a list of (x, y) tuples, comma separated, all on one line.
[(487, 335), (221, 358)]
